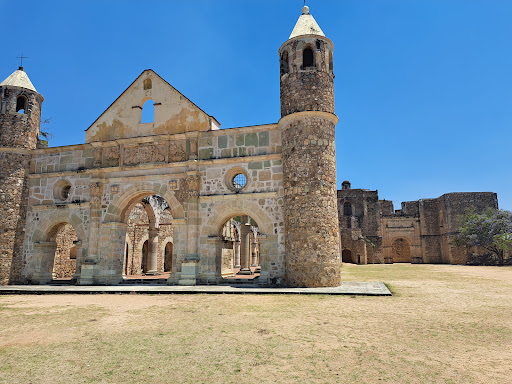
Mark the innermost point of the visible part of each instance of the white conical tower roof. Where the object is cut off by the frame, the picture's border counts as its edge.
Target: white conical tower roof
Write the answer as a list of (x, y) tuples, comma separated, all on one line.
[(20, 79), (306, 25)]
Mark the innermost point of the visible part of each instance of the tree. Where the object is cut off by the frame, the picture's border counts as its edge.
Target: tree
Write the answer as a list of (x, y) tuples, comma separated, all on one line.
[(491, 230), (45, 132)]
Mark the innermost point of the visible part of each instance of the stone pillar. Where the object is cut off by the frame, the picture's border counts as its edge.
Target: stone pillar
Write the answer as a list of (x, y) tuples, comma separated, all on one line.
[(152, 252), (254, 253), (237, 254), (245, 241), (43, 273)]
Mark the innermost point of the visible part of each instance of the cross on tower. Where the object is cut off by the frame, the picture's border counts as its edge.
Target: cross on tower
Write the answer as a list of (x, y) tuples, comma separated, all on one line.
[(25, 57)]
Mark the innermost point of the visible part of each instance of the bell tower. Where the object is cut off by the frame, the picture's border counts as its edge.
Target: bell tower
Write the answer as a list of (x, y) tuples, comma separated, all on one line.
[(20, 118), (309, 158)]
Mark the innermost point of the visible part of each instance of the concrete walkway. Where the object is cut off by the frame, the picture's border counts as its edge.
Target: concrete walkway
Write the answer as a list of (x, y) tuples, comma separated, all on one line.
[(346, 288)]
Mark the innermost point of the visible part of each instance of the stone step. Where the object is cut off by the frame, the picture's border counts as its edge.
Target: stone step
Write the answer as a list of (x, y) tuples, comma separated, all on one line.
[(144, 282)]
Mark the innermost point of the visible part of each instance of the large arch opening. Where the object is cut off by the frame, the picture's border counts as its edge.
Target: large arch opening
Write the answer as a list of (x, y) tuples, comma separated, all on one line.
[(239, 250), (401, 250), (147, 254)]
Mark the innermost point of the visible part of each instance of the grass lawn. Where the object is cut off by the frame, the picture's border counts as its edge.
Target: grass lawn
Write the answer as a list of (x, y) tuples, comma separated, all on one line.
[(444, 324)]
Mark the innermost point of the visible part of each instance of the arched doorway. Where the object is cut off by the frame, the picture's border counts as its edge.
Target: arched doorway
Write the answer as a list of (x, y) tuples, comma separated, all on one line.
[(238, 250), (346, 256), (64, 265), (401, 250), (149, 221)]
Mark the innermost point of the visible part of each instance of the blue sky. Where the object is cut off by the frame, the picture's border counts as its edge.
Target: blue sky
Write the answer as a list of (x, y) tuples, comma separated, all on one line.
[(423, 87)]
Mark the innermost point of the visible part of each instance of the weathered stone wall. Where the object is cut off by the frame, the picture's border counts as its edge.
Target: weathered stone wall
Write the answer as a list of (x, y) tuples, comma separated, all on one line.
[(13, 197), (18, 134), (296, 95), (426, 226), (309, 166)]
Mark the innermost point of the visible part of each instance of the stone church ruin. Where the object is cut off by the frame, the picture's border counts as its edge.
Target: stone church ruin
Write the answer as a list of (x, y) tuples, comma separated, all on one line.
[(177, 196)]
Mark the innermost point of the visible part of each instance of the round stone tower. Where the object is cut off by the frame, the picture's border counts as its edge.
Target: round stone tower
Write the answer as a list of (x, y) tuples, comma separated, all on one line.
[(309, 159), (20, 118)]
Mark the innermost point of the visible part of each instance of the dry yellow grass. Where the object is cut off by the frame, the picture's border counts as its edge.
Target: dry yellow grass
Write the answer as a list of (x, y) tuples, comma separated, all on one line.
[(445, 324)]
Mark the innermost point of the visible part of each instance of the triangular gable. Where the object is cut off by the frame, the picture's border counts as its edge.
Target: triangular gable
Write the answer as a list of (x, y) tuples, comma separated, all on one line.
[(174, 113)]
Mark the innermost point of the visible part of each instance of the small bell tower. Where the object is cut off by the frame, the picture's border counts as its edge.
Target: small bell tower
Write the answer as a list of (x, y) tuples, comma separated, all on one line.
[(20, 118), (309, 158)]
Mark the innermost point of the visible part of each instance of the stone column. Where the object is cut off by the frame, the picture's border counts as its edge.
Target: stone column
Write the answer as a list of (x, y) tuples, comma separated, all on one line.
[(237, 254), (254, 252), (152, 252), (245, 231)]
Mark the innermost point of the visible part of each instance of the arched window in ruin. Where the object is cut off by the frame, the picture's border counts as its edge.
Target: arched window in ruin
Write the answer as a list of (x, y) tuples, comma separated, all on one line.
[(21, 104), (308, 59), (285, 66), (148, 112)]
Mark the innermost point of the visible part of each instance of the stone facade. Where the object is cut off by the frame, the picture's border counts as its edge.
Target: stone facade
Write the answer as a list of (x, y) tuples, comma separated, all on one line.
[(421, 231)]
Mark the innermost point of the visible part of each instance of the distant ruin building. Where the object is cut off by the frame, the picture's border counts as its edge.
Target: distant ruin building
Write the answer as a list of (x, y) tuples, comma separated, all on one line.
[(420, 232), (158, 188)]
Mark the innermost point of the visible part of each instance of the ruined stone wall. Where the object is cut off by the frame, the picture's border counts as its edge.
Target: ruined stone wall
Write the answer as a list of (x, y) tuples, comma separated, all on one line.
[(13, 208), (454, 208), (400, 228), (360, 232)]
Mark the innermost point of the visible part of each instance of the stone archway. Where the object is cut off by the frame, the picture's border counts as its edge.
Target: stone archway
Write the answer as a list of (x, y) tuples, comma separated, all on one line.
[(401, 248), (46, 246), (114, 226), (211, 242)]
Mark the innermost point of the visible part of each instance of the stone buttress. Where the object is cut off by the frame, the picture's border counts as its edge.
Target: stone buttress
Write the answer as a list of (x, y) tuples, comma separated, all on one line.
[(20, 115), (309, 160)]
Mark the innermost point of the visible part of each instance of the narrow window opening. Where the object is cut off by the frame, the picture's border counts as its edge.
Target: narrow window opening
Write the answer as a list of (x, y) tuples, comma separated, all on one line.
[(331, 63), (307, 58), (347, 209), (21, 104), (285, 67), (148, 112), (318, 45)]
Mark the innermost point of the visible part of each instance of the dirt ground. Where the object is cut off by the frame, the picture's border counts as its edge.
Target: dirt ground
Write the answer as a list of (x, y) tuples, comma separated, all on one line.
[(444, 324)]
